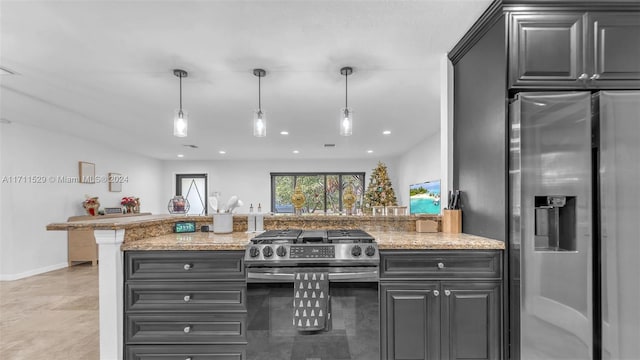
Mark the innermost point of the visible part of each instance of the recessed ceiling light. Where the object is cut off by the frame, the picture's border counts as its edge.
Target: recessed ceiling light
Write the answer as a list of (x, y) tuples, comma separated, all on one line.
[(386, 132), (180, 155), (296, 151), (284, 133), (369, 151), (222, 152)]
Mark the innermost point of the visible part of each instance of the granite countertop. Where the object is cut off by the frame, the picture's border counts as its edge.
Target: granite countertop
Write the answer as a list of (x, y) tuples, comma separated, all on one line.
[(387, 240), (110, 223), (192, 241), (401, 240), (289, 221)]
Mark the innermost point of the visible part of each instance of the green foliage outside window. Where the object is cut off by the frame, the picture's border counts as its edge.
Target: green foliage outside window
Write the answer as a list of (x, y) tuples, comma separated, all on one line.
[(323, 191)]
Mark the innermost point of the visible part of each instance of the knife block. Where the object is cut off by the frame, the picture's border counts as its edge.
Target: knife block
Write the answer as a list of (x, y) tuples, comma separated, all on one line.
[(452, 221)]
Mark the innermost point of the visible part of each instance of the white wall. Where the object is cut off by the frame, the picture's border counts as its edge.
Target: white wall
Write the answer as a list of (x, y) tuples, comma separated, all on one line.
[(3, 228), (419, 164), (251, 180), (26, 247)]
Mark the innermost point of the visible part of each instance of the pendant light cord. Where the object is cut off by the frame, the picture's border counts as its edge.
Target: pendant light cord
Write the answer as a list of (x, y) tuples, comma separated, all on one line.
[(259, 100), (346, 91), (180, 93)]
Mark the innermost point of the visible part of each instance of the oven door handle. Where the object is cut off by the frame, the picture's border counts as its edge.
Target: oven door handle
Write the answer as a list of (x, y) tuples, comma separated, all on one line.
[(354, 276), (270, 276), (289, 277)]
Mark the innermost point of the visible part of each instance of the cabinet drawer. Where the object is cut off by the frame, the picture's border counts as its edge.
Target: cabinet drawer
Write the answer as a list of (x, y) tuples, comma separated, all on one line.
[(184, 265), (188, 328), (182, 352), (180, 297), (440, 264)]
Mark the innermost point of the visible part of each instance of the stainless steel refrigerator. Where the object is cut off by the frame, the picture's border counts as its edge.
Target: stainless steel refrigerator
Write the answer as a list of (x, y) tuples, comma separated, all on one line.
[(574, 188)]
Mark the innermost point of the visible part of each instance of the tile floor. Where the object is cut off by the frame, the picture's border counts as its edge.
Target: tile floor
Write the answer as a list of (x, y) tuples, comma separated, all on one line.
[(51, 316)]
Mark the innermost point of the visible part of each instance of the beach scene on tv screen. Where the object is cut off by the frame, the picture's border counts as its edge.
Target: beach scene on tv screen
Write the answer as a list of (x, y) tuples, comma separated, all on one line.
[(425, 198)]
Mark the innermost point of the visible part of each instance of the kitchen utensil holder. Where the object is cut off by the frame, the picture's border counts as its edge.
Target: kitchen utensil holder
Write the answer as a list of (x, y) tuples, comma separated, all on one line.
[(452, 221), (222, 223)]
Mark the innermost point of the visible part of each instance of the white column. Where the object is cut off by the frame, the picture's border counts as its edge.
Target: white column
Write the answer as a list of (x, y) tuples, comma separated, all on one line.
[(110, 271), (446, 129)]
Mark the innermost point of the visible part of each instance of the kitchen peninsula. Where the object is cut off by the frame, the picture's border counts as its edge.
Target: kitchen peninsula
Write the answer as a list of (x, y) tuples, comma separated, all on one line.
[(395, 235)]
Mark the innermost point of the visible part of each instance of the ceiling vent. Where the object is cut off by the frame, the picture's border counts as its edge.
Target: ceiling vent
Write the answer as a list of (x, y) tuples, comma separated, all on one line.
[(329, 145), (190, 146)]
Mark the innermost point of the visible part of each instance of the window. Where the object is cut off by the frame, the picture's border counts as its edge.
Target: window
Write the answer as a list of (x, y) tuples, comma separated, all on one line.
[(322, 191)]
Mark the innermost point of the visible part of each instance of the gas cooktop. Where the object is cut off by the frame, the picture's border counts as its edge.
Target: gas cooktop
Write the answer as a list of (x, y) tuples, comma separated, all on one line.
[(349, 247), (294, 236)]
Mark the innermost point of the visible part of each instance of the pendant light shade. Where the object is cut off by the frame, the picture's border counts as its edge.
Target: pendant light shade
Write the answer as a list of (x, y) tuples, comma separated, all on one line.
[(346, 113), (259, 117), (180, 119)]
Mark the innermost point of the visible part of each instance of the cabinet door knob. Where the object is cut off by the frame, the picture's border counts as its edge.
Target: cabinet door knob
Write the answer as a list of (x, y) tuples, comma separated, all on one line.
[(187, 329), (187, 266), (436, 293), (440, 265), (595, 77), (447, 292), (187, 298), (583, 76)]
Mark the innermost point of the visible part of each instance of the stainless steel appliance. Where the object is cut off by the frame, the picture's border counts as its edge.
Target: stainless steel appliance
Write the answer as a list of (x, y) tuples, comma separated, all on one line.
[(350, 259), (574, 229)]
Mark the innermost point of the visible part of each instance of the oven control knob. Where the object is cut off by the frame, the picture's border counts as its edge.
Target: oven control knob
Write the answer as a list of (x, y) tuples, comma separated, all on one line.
[(370, 251), (356, 250), (254, 251), (281, 251), (267, 251)]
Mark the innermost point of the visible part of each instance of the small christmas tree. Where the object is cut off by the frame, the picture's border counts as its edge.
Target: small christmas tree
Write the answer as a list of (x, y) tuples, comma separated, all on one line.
[(380, 192)]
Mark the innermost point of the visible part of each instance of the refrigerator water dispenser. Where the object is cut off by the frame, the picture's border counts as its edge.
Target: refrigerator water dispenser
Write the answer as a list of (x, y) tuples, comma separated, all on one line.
[(555, 223)]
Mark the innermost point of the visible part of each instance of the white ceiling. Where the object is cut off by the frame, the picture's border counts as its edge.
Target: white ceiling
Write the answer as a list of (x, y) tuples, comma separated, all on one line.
[(102, 70)]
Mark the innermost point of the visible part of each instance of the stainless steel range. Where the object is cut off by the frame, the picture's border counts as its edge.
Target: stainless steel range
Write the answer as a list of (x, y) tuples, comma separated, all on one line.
[(312, 294), (317, 247)]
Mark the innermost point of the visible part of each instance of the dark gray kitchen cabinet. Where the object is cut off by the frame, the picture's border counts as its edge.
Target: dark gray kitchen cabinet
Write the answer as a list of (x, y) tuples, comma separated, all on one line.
[(574, 50), (185, 352), (410, 324), (616, 52), (185, 305), (441, 304), (471, 320)]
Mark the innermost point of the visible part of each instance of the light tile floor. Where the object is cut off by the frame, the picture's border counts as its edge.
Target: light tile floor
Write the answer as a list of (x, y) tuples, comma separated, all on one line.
[(51, 316)]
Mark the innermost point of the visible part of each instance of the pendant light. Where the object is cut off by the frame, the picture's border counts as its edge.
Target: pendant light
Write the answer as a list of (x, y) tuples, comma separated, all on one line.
[(346, 114), (259, 118), (180, 119)]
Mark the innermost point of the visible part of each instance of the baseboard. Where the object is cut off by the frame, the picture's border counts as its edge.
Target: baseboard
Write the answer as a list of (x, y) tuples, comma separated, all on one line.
[(22, 275)]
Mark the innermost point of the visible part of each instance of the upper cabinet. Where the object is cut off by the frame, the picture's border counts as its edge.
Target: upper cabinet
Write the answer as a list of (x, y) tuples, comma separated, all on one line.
[(574, 50)]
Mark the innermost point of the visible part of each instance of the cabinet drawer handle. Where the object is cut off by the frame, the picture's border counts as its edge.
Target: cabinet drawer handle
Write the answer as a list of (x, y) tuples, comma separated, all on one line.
[(187, 266), (447, 292), (187, 329), (440, 265), (187, 298), (595, 77), (583, 77), (436, 293)]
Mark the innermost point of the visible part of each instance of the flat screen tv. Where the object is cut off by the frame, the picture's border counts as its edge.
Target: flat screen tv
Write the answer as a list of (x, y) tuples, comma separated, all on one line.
[(425, 198)]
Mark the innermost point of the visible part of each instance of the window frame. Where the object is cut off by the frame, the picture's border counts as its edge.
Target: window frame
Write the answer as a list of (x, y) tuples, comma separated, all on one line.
[(295, 175), (204, 176)]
